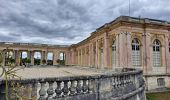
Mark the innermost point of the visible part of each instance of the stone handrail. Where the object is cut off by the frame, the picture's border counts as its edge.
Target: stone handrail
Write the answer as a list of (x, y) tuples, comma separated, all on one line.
[(118, 86)]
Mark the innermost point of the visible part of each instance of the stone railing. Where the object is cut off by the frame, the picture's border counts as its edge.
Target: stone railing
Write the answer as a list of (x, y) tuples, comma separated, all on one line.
[(124, 85)]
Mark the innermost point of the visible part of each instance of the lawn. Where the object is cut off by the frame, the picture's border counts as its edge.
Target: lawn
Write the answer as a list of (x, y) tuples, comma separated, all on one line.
[(158, 96)]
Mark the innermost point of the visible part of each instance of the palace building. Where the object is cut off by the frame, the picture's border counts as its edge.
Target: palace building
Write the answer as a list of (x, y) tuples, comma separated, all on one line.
[(126, 42)]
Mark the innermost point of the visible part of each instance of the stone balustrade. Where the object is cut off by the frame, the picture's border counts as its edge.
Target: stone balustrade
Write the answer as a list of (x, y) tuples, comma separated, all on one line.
[(127, 84)]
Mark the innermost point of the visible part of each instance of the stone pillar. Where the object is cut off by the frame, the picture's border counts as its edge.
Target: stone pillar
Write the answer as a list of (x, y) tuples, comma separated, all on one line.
[(3, 55), (147, 48), (167, 61), (107, 55), (129, 50), (97, 53), (81, 62), (55, 57), (17, 57), (117, 51), (122, 48), (163, 52), (90, 55), (32, 57)]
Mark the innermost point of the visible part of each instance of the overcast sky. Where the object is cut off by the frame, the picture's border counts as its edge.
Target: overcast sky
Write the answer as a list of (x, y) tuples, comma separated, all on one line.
[(68, 21)]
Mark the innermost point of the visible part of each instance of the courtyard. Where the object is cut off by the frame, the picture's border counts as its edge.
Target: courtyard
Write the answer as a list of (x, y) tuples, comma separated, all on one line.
[(53, 71)]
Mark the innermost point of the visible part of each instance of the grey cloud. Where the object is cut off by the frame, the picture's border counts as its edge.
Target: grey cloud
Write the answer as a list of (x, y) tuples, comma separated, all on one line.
[(68, 21)]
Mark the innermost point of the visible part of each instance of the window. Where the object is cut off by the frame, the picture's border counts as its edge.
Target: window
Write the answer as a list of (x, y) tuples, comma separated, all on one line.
[(113, 53), (161, 82), (136, 59), (156, 53)]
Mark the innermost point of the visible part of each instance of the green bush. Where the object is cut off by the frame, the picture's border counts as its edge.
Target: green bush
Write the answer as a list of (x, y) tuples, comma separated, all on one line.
[(61, 62), (43, 61)]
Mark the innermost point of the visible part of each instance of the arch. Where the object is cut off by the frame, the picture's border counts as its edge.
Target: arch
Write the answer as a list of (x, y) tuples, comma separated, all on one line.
[(9, 57), (156, 52), (50, 58), (23, 57), (61, 59), (37, 58), (136, 52)]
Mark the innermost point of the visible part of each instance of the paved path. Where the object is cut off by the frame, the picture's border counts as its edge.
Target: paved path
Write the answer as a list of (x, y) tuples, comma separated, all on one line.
[(52, 71)]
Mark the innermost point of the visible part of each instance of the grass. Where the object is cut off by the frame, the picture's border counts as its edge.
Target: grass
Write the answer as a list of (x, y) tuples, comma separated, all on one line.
[(158, 96)]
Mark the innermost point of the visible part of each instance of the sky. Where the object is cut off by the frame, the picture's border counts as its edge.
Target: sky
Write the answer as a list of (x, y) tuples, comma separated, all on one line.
[(65, 22)]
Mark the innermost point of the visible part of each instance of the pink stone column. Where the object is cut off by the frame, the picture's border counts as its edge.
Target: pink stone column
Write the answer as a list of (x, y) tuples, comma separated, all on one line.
[(129, 50), (167, 61), (148, 53), (107, 55), (163, 56), (122, 50), (117, 51), (32, 57), (97, 53)]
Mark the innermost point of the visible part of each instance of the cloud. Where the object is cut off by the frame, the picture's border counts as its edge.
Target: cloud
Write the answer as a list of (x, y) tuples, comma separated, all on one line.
[(68, 21)]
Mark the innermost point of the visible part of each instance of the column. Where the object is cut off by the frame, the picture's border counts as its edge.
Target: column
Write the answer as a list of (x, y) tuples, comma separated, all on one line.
[(107, 55), (17, 57), (32, 57), (3, 57), (29, 54), (55, 57), (97, 53), (147, 48), (90, 55), (167, 61), (129, 50), (122, 48), (117, 51)]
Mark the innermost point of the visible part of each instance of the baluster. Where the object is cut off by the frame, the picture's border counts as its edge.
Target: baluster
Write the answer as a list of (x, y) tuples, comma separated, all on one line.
[(123, 80), (50, 91), (118, 81), (79, 88), (65, 88), (58, 90), (114, 82), (91, 86), (34, 91), (72, 88), (85, 86), (129, 79), (126, 79), (42, 91)]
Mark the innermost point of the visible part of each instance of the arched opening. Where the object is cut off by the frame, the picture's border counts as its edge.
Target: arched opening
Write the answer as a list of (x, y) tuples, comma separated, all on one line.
[(61, 59), (23, 58), (113, 54), (37, 58), (50, 58), (156, 53), (136, 54), (9, 57)]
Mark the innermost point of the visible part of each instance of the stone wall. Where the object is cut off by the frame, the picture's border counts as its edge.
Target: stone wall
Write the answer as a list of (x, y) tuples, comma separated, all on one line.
[(123, 85)]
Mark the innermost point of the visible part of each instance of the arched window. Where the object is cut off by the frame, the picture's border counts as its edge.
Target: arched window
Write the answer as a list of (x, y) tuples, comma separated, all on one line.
[(136, 58), (113, 53), (156, 53)]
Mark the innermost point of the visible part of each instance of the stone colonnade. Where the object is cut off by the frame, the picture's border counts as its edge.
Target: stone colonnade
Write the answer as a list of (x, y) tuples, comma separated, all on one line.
[(17, 50)]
